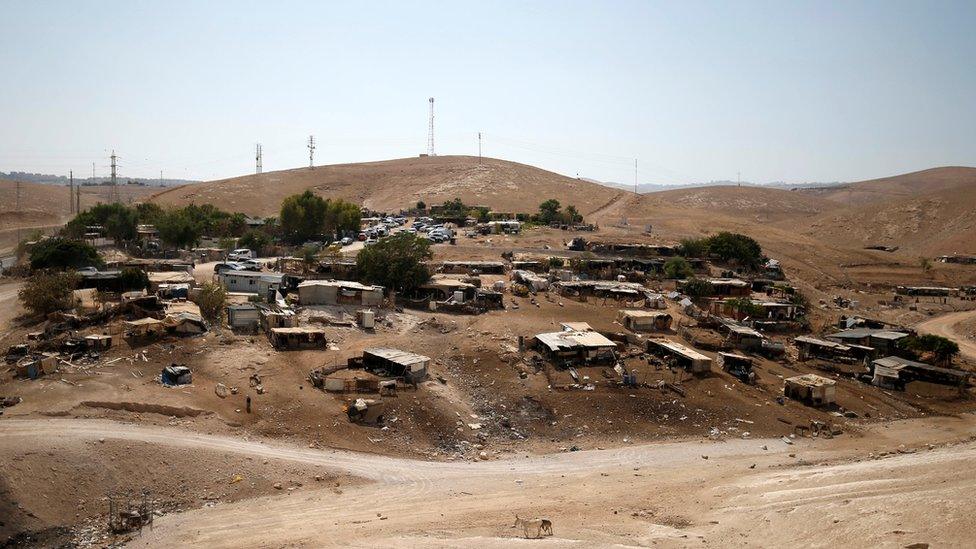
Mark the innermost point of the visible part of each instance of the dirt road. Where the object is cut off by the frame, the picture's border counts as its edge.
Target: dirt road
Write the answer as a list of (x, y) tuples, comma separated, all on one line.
[(944, 325), (732, 493)]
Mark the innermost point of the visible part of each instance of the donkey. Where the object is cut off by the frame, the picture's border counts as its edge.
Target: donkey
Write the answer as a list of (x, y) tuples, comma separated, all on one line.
[(540, 525)]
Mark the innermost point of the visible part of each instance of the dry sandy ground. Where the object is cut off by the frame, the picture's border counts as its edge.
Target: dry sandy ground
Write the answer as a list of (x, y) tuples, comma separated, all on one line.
[(839, 492), (949, 326)]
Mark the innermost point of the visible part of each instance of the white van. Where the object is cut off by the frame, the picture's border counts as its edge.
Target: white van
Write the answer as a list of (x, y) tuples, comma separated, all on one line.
[(241, 254)]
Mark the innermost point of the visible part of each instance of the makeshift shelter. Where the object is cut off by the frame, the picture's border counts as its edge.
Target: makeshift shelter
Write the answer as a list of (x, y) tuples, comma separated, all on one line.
[(184, 323), (739, 366), (144, 327), (98, 342), (883, 341), (297, 338), (683, 357), (250, 282), (893, 372), (481, 267), (385, 361), (366, 411), (244, 316), (575, 347), (811, 347), (811, 389), (158, 278), (339, 292), (637, 320)]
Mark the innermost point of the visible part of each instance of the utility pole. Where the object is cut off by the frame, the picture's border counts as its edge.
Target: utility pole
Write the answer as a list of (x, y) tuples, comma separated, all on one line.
[(115, 183), (635, 176), (311, 151), (258, 167), (78, 199), (71, 191), (479, 147), (738, 179), (430, 130)]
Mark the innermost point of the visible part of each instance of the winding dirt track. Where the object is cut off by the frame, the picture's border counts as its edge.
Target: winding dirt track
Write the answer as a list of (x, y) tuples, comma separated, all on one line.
[(944, 325), (669, 494)]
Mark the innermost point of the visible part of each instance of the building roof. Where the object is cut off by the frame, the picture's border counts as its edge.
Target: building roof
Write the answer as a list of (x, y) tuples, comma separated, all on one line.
[(576, 326), (397, 356), (148, 321), (811, 380), (556, 341), (344, 284), (267, 277), (898, 363), (822, 343), (861, 333), (679, 349), (638, 313), (298, 330), (728, 282), (170, 277)]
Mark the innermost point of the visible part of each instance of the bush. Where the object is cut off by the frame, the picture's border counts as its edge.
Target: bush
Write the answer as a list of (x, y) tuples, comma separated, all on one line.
[(698, 288), (694, 247), (134, 279), (549, 211), (556, 262), (396, 262), (211, 301), (678, 267), (61, 253), (48, 291), (178, 228), (746, 307)]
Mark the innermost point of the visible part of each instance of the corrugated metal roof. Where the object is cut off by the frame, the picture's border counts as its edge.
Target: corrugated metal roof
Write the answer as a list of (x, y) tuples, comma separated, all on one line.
[(679, 349), (396, 356), (569, 340)]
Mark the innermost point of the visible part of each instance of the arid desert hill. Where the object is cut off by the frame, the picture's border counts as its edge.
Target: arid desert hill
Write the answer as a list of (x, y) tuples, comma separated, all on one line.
[(393, 184), (907, 185)]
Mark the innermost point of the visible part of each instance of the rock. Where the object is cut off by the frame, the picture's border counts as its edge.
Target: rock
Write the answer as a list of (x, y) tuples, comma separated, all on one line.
[(483, 456), (221, 390), (276, 486)]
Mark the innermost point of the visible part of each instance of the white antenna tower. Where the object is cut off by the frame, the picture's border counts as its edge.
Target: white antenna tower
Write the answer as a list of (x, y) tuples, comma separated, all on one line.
[(479, 147), (430, 131), (311, 151), (258, 167), (115, 182), (635, 176)]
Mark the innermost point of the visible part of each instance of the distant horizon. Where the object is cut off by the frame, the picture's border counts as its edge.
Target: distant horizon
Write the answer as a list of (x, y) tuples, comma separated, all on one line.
[(4, 174)]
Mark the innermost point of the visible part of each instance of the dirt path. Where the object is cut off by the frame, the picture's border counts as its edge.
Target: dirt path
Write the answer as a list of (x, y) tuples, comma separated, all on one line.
[(9, 308), (732, 493), (944, 326)]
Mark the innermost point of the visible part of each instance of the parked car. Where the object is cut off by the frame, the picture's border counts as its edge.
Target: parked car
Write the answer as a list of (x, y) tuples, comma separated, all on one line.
[(369, 242), (361, 237), (241, 254), (346, 240), (252, 265)]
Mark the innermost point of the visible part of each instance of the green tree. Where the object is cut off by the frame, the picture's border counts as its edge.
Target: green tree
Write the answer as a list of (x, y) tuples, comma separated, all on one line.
[(746, 307), (179, 228), (118, 220), (211, 300), (302, 216), (61, 253), (21, 250), (134, 279), (925, 264), (259, 241), (941, 348), (735, 247), (341, 216), (678, 267), (694, 247), (48, 291), (549, 211), (148, 212), (573, 215), (698, 288), (396, 262), (556, 262), (421, 205)]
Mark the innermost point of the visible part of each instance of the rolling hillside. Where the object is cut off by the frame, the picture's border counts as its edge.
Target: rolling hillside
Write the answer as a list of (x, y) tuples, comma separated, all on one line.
[(394, 184), (899, 186)]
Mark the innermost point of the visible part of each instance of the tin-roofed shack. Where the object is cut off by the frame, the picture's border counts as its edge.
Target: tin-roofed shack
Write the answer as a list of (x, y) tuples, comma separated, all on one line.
[(683, 357), (472, 267), (893, 372), (386, 361), (883, 341), (929, 291), (297, 338), (811, 389), (732, 287), (339, 292), (811, 347), (739, 366), (573, 346), (637, 320)]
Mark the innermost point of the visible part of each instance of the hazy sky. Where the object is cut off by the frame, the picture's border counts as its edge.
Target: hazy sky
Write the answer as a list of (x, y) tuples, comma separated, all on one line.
[(697, 91)]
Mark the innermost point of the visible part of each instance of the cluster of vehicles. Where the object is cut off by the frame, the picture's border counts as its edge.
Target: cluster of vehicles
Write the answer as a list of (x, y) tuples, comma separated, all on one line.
[(427, 228), (241, 259)]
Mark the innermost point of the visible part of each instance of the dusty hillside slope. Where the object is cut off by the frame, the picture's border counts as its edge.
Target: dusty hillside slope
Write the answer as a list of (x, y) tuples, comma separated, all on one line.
[(899, 186), (393, 184), (941, 222)]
